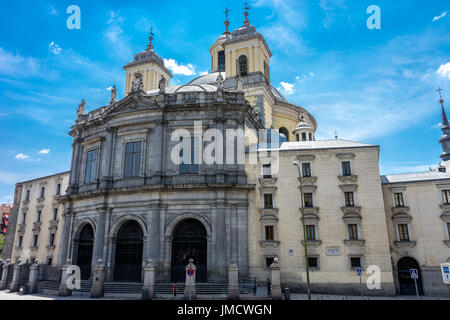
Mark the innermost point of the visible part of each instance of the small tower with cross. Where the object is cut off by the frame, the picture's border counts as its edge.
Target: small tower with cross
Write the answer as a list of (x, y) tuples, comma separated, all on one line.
[(445, 139)]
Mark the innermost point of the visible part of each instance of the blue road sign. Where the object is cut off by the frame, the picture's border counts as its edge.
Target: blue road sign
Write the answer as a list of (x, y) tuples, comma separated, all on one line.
[(359, 271), (414, 273)]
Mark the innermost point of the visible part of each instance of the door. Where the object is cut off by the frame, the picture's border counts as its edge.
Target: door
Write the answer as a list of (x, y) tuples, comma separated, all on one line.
[(85, 247), (407, 285), (129, 247)]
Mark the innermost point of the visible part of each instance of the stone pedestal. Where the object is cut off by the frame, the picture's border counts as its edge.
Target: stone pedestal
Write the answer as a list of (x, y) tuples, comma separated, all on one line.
[(4, 275), (14, 286), (233, 281), (149, 280), (32, 279), (189, 290), (97, 290), (275, 290), (64, 290)]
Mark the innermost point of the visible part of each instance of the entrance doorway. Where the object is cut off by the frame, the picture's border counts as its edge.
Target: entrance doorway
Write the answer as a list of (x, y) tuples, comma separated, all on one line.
[(85, 247), (129, 247), (407, 286), (189, 241)]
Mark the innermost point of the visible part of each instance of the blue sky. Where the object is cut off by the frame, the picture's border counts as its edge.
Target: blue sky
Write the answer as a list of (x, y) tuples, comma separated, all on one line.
[(374, 86)]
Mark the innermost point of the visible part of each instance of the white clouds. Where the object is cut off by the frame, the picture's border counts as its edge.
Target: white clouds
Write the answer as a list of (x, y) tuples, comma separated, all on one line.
[(16, 66), (332, 9), (286, 87), (55, 48), (44, 151), (440, 17), (22, 156), (116, 37), (444, 71), (172, 65), (204, 73)]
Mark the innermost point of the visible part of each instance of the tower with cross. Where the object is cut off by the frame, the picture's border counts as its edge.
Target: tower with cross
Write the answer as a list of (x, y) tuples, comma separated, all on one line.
[(445, 139), (246, 8)]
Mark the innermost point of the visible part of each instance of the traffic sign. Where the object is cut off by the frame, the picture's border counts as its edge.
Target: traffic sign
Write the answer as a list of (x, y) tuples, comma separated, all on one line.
[(445, 268), (190, 272), (414, 273), (359, 271)]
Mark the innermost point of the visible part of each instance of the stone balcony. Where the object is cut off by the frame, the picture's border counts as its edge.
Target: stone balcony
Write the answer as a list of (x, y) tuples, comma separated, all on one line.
[(349, 210), (404, 244), (347, 179), (267, 181), (269, 243), (312, 243), (21, 228), (403, 209), (307, 180), (355, 242), (37, 226)]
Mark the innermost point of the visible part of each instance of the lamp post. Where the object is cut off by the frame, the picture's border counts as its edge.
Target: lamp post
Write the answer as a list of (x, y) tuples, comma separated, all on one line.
[(297, 164)]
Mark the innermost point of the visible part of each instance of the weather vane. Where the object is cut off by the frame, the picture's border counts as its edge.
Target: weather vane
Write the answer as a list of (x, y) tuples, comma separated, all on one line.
[(150, 45), (246, 8), (227, 23), (439, 90)]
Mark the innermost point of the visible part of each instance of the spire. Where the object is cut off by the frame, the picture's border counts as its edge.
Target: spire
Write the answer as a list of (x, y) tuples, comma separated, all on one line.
[(444, 115), (246, 8), (150, 38), (227, 23)]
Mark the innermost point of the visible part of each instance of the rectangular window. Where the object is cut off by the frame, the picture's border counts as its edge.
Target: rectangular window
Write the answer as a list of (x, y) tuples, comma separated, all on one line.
[(306, 169), (91, 167), (41, 196), (448, 230), (403, 232), (353, 231), (355, 262), (58, 189), (308, 198), (399, 199), (133, 159), (221, 60), (192, 167), (446, 196), (27, 195), (24, 217), (267, 172), (35, 240), (38, 216), (346, 168), (49, 261), (269, 233), (349, 199), (55, 214), (268, 201), (303, 136), (310, 232), (269, 262), (313, 262), (52, 239), (19, 243), (310, 136)]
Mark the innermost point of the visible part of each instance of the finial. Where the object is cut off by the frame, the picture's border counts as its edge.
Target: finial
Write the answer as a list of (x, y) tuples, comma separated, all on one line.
[(227, 23), (246, 8), (150, 45), (439, 90), (336, 135)]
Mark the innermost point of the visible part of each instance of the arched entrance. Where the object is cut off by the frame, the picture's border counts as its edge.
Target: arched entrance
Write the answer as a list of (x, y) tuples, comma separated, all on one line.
[(129, 246), (407, 286), (189, 241), (85, 247)]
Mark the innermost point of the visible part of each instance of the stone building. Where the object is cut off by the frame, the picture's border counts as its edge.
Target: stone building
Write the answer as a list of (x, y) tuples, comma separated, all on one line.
[(126, 199)]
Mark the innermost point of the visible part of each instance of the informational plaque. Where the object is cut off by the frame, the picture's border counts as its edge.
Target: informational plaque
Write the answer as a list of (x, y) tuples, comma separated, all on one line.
[(333, 251)]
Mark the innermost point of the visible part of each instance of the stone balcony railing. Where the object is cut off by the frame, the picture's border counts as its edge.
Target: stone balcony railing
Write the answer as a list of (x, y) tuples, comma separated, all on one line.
[(205, 97)]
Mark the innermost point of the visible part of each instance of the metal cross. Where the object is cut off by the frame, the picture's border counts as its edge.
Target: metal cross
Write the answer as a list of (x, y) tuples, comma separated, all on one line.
[(246, 6), (440, 92), (226, 12)]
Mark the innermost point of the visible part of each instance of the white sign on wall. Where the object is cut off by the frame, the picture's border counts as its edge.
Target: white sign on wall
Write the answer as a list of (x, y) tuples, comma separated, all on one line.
[(445, 268), (333, 251)]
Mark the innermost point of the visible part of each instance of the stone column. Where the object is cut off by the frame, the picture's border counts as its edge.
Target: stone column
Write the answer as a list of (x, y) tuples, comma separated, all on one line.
[(3, 282), (149, 280), (275, 283), (242, 235), (14, 286), (74, 167), (64, 237), (97, 290), (97, 251), (63, 290), (153, 234), (32, 279), (221, 240), (107, 159), (233, 281), (190, 290)]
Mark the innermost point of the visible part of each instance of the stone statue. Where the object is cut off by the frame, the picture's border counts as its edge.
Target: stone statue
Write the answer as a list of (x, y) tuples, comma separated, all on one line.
[(113, 94), (162, 85), (240, 84), (138, 83), (219, 81), (81, 108)]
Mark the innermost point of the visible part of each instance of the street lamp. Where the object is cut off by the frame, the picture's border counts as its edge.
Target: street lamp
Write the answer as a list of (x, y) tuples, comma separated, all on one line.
[(297, 164)]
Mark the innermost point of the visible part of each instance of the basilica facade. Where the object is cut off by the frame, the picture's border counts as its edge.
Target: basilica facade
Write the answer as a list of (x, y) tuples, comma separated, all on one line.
[(126, 201)]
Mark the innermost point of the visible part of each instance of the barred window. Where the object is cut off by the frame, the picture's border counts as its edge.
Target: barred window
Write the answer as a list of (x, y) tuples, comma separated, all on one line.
[(308, 198), (313, 262), (446, 196), (349, 199), (269, 233), (399, 199), (133, 159), (353, 232), (355, 262), (306, 169), (346, 168), (403, 232), (268, 201), (310, 232), (91, 167)]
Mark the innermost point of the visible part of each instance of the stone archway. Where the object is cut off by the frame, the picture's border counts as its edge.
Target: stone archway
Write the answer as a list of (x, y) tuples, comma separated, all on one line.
[(84, 248), (128, 252), (189, 240), (407, 286)]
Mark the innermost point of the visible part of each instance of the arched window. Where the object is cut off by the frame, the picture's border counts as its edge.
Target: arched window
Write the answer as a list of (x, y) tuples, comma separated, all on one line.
[(285, 132), (243, 66)]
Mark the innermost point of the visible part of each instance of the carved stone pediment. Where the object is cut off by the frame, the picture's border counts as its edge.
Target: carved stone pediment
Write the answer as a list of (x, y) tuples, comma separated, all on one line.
[(306, 157), (352, 217), (133, 102), (403, 244), (267, 181), (401, 217), (348, 187), (345, 156)]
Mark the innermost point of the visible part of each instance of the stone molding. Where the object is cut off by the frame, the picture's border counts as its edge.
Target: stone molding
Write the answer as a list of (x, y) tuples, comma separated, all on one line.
[(348, 187), (269, 243), (306, 157), (312, 243), (358, 243), (402, 217), (403, 244), (346, 179), (344, 156)]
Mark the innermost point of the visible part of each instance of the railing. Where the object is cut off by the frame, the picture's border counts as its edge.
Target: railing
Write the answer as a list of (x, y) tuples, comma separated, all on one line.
[(205, 97)]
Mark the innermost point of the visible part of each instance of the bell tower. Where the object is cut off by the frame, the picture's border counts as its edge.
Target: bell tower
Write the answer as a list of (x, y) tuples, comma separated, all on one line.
[(150, 65)]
